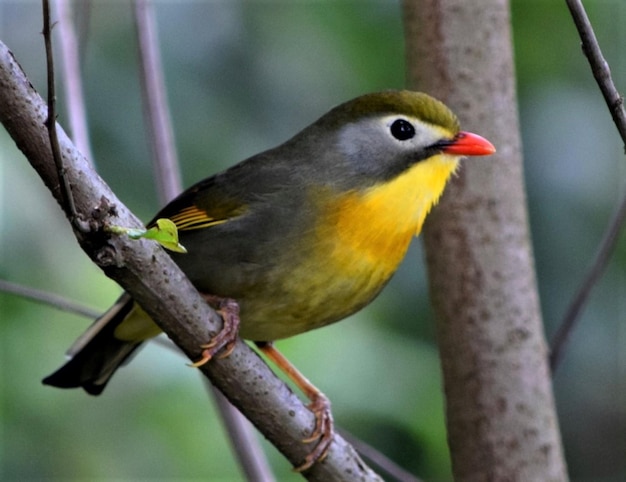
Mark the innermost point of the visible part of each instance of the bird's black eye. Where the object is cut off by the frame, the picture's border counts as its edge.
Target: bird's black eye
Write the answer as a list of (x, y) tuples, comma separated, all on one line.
[(402, 130)]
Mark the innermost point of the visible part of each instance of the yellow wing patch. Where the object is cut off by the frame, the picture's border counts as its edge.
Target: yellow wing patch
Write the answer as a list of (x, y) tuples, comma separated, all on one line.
[(193, 217)]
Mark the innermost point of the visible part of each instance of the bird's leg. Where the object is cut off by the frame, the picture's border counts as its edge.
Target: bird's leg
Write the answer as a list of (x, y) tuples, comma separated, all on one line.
[(320, 406), (228, 309)]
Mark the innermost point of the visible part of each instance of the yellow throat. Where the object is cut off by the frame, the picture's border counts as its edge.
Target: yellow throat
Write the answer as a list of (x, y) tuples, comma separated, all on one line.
[(376, 225)]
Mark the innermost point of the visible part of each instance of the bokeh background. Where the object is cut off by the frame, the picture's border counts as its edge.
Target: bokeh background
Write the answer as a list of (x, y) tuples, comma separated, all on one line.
[(242, 77)]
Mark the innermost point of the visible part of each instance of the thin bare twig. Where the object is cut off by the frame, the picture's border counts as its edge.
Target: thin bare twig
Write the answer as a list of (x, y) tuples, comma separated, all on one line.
[(66, 305), (607, 246), (64, 185), (48, 298), (74, 97), (614, 100), (246, 446), (242, 437), (599, 65), (378, 459), (155, 103)]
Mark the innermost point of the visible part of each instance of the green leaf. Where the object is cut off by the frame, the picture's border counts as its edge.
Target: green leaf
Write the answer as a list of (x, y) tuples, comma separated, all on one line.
[(163, 232), (166, 234)]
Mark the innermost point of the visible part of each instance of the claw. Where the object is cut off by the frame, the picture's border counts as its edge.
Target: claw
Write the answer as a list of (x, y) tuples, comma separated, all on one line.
[(226, 339), (322, 433), (206, 357)]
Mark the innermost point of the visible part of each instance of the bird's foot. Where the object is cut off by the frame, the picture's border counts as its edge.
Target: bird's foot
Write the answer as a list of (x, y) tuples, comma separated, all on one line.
[(323, 432), (226, 339)]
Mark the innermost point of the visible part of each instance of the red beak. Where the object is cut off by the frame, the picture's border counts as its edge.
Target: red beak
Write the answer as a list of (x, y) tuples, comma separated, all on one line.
[(468, 144)]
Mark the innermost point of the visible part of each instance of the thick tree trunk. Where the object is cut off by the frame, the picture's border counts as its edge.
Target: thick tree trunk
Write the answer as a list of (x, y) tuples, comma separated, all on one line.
[(500, 410)]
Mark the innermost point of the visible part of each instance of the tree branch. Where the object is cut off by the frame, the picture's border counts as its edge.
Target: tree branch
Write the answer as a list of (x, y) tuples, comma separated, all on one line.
[(599, 66), (591, 278), (157, 284), (74, 98), (48, 298), (66, 198), (156, 111), (245, 445), (615, 102)]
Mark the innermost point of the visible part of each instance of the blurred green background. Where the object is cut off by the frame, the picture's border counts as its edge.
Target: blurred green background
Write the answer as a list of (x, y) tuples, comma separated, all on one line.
[(242, 77)]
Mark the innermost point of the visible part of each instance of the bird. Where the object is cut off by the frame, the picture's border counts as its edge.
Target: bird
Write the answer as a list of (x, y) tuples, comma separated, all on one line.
[(298, 236)]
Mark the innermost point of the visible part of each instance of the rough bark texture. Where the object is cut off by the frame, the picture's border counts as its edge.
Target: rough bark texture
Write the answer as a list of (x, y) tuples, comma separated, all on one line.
[(154, 280), (500, 410)]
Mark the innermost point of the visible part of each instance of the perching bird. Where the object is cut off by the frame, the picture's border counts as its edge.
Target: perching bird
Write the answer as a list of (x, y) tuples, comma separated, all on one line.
[(301, 235)]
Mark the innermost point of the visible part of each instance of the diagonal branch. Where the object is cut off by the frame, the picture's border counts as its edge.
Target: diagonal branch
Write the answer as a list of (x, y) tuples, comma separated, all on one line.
[(48, 298), (155, 281), (615, 102), (245, 444), (599, 65), (593, 275), (73, 92), (66, 198), (156, 111)]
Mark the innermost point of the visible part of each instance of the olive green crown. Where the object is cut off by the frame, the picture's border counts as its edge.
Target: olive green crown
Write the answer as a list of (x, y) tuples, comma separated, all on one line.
[(391, 102)]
